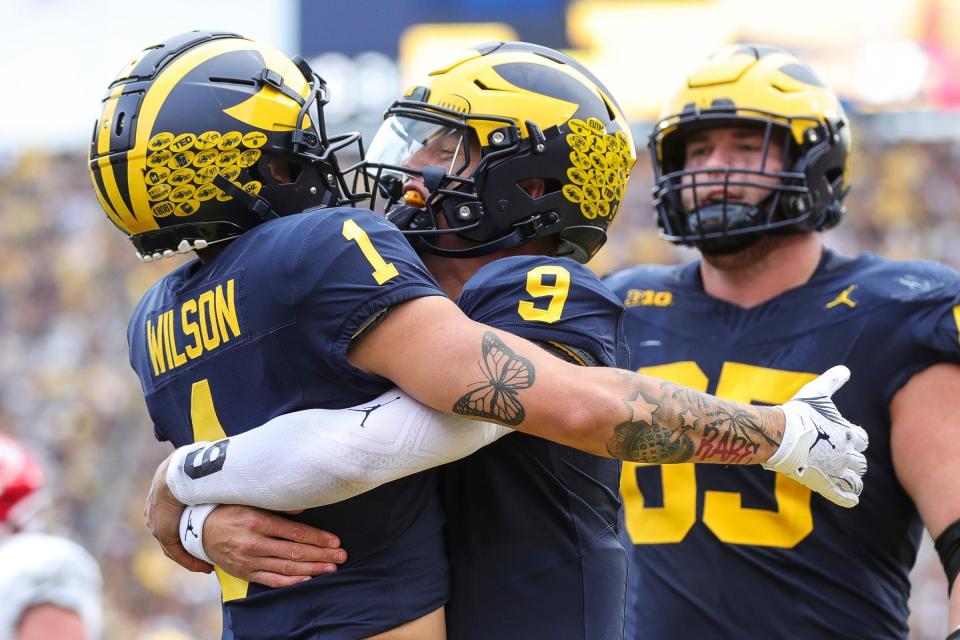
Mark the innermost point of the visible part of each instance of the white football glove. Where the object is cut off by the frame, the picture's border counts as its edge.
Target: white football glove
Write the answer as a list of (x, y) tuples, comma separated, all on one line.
[(821, 449)]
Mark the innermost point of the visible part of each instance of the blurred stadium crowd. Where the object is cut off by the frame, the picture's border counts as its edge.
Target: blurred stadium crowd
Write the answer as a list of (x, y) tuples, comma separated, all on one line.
[(68, 284)]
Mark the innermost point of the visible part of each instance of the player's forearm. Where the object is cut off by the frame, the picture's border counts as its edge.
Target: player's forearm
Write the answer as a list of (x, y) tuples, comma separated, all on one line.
[(317, 457), (661, 422), (625, 415)]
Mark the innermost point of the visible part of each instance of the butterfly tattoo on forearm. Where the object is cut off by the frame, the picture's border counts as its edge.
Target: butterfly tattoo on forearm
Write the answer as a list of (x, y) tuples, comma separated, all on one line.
[(505, 373)]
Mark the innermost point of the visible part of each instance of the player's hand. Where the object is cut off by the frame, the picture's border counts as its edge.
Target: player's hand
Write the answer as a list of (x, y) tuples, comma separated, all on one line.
[(820, 448), (264, 547), (162, 516)]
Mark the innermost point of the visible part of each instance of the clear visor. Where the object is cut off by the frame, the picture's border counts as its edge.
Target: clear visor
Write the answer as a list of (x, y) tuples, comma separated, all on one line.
[(409, 143)]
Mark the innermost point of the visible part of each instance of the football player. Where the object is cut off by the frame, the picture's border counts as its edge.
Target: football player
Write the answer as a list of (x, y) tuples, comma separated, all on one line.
[(531, 526), (213, 143), (49, 586), (751, 163), (507, 155)]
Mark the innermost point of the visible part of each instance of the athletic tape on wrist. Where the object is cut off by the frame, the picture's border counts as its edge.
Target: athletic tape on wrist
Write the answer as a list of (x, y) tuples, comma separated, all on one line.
[(191, 529)]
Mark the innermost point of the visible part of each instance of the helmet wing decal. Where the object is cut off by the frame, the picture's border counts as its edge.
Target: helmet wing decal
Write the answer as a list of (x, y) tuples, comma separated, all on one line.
[(271, 109), (266, 110)]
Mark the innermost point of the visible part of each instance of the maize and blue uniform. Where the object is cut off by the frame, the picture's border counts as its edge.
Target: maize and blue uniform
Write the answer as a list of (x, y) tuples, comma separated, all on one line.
[(532, 526), (262, 330), (733, 552)]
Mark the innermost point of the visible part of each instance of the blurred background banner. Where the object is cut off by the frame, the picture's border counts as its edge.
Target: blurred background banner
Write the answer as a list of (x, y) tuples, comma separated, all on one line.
[(68, 281)]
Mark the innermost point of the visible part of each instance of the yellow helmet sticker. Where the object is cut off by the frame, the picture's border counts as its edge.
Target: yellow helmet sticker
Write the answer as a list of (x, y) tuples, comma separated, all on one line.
[(206, 174), (254, 139), (183, 142), (231, 173), (160, 141), (159, 192), (159, 158), (179, 160), (182, 193), (162, 209), (230, 140), (208, 140), (186, 208), (596, 177), (180, 176), (205, 192), (248, 158), (205, 158)]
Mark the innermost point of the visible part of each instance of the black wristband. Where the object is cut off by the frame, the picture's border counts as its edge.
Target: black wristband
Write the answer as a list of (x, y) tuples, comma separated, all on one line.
[(955, 635)]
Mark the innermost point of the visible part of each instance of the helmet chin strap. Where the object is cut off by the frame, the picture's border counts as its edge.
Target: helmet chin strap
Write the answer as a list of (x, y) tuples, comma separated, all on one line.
[(257, 206), (523, 232), (727, 246), (514, 239), (730, 217)]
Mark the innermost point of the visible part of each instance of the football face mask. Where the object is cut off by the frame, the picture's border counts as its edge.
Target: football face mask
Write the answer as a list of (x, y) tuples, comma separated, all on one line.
[(424, 166)]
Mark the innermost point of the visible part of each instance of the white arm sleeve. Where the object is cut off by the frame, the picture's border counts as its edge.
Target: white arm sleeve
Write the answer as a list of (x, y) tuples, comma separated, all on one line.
[(316, 457)]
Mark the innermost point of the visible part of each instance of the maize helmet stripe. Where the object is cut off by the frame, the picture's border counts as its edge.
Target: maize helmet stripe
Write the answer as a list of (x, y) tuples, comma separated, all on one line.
[(118, 207), (96, 178), (546, 111), (541, 108), (569, 65), (98, 189), (154, 100)]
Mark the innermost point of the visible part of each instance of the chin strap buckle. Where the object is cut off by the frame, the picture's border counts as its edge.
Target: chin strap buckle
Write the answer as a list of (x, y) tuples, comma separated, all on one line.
[(272, 78), (536, 223), (253, 203)]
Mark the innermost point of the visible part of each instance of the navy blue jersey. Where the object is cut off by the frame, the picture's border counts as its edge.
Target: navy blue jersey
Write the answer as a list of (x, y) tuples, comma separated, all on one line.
[(263, 330), (532, 526), (732, 552)]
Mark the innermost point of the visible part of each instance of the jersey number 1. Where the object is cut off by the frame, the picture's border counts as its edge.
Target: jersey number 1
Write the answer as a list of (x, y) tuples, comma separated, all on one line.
[(206, 426), (382, 270)]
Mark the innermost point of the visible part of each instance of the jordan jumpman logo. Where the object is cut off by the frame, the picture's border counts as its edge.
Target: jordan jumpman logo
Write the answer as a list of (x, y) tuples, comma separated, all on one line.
[(368, 410)]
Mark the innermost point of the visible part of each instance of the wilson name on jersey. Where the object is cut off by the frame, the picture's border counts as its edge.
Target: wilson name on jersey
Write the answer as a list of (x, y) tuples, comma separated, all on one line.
[(261, 330), (532, 526), (721, 550)]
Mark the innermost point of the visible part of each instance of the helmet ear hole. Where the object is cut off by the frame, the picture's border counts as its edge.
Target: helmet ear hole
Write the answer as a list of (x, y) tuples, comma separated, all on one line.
[(834, 178), (534, 187), (539, 187), (281, 170)]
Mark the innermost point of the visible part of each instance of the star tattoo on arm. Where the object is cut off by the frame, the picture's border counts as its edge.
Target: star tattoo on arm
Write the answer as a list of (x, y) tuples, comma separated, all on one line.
[(674, 424)]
